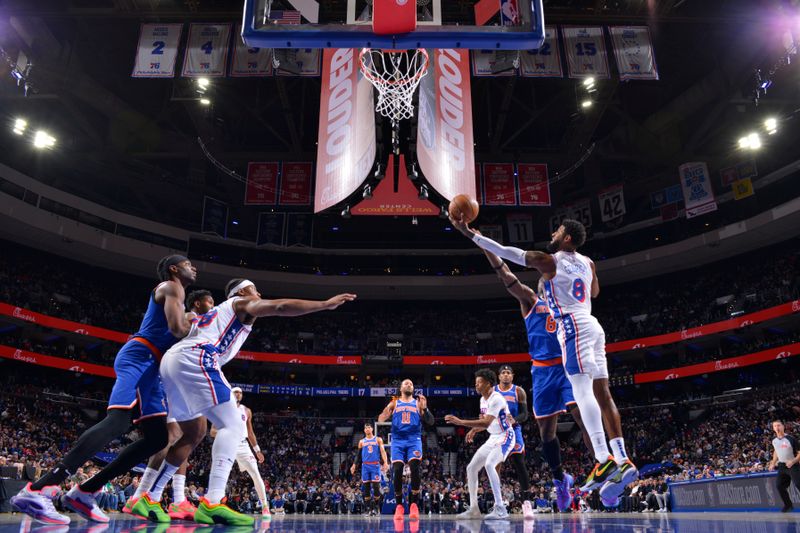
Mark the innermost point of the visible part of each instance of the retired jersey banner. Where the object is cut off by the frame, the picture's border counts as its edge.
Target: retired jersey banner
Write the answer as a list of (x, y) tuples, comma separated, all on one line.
[(346, 148), (742, 188), (301, 62), (250, 62), (544, 62), (612, 203), (215, 217), (270, 228), (580, 210), (157, 50), (296, 184), (262, 184), (698, 196), (498, 184), (445, 150), (633, 49), (207, 50), (534, 186), (586, 51), (484, 64), (520, 228)]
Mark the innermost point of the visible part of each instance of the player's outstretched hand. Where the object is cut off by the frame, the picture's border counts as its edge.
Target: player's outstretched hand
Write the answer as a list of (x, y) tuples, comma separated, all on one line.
[(260, 457), (452, 419), (461, 225), (470, 436), (353, 469), (384, 467), (339, 299), (422, 402)]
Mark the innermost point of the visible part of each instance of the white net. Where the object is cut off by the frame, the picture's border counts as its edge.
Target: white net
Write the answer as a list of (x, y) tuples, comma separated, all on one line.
[(396, 74)]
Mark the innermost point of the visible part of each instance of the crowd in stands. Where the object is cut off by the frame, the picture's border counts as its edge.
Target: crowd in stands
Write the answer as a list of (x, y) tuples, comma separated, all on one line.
[(721, 437)]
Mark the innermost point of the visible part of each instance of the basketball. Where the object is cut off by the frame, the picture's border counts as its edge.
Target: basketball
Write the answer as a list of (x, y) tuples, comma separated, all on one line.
[(464, 204)]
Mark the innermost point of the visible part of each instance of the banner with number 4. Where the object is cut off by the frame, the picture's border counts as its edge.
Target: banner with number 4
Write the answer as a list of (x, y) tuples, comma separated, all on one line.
[(207, 50), (157, 50), (612, 203)]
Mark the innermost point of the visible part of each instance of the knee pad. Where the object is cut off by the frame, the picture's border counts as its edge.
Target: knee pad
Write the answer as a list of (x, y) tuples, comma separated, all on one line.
[(154, 431), (415, 475), (117, 421)]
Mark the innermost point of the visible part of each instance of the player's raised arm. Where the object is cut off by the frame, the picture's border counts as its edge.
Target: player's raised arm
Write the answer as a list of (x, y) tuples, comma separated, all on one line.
[(524, 294), (541, 261), (256, 307), (173, 296), (424, 412), (387, 412)]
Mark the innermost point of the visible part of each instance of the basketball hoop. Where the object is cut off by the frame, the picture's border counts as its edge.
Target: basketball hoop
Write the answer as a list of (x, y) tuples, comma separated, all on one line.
[(396, 74)]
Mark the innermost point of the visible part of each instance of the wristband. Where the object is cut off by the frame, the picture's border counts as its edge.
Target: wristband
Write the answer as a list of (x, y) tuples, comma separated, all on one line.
[(256, 448)]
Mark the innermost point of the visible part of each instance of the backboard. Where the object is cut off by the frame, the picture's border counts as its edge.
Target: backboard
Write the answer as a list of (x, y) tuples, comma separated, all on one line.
[(311, 24)]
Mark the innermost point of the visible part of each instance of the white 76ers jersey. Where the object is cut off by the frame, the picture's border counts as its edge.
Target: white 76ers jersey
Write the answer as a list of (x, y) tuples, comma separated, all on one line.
[(570, 290), (218, 333), (497, 407)]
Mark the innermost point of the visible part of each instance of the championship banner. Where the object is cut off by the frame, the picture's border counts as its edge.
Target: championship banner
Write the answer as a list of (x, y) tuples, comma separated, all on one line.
[(612, 203), (773, 354), (742, 189), (262, 184), (270, 228), (215, 217), (296, 184), (579, 210), (483, 64), (586, 51), (250, 62), (346, 149), (445, 150), (520, 228), (207, 50), (633, 50), (498, 184), (157, 50), (303, 62), (534, 186), (698, 196), (544, 62)]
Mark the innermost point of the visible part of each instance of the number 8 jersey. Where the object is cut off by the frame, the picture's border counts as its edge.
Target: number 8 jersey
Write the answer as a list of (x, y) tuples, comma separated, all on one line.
[(569, 292)]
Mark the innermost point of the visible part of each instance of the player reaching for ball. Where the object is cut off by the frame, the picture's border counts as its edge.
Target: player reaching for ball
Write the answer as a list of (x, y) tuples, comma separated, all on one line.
[(570, 282)]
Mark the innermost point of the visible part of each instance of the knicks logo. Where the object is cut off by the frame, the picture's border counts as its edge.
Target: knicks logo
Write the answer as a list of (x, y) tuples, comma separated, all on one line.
[(417, 453)]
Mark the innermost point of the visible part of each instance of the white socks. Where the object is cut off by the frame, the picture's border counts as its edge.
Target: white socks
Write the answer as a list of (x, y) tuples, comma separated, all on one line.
[(590, 413), (618, 450), (146, 482), (178, 488), (165, 473)]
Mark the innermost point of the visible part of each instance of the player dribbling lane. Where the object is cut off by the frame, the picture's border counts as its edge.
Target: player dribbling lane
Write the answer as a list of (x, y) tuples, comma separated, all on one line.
[(570, 284), (371, 460), (497, 420), (407, 415)]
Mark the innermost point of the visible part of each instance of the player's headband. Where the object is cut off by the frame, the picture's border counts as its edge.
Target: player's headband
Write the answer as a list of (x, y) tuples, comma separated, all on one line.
[(236, 389), (174, 260), (242, 284), (506, 367)]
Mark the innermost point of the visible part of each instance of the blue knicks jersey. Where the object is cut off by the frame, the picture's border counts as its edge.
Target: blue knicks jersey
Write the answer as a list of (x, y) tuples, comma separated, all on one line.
[(511, 398), (370, 453), (154, 326), (405, 420), (541, 327)]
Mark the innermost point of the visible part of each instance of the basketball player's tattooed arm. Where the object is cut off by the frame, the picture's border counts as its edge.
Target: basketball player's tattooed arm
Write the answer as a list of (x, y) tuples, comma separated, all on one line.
[(357, 460), (387, 412), (173, 296), (251, 436), (522, 406), (384, 458), (524, 294), (256, 307), (595, 282)]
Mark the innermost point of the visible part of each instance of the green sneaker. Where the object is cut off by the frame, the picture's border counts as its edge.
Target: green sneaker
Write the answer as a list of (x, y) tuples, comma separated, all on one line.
[(600, 474), (219, 513), (149, 510)]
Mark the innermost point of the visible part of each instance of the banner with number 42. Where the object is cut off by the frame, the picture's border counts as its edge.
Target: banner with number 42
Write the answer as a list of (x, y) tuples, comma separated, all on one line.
[(612, 203)]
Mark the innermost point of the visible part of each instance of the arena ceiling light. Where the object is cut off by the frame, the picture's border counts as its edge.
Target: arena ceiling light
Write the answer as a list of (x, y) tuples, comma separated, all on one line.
[(42, 139), (20, 125), (205, 101), (751, 141), (771, 125), (586, 104), (202, 85)]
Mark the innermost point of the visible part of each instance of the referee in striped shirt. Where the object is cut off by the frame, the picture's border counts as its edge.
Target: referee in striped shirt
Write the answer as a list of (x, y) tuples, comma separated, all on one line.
[(787, 458)]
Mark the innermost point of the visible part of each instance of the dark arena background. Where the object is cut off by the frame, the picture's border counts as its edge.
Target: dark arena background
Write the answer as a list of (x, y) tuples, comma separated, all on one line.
[(302, 161)]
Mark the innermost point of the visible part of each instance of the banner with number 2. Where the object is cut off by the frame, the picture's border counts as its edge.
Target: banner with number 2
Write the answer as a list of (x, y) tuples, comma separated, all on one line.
[(157, 50), (207, 50)]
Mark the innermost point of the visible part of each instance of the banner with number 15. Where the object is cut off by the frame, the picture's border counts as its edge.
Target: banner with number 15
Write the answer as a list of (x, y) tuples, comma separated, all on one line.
[(207, 50), (157, 50)]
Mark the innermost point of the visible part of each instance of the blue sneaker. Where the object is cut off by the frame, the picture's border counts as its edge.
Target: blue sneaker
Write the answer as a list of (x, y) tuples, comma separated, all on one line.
[(625, 475), (38, 504), (563, 494)]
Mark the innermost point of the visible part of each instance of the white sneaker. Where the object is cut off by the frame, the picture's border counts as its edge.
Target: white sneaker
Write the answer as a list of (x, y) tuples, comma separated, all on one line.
[(470, 514), (498, 513), (38, 504), (527, 510), (84, 504)]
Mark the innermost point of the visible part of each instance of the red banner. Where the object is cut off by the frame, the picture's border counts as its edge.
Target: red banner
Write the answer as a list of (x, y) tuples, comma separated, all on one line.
[(472, 360), (716, 327), (534, 187), (300, 359), (445, 149), (64, 325), (7, 352), (296, 184), (498, 184), (386, 201), (709, 367), (262, 184), (346, 147)]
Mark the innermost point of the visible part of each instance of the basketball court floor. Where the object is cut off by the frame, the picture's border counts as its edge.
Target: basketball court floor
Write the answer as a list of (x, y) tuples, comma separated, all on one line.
[(574, 523)]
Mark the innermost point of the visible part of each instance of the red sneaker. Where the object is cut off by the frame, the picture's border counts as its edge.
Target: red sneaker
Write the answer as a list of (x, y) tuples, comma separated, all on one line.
[(399, 512), (413, 512)]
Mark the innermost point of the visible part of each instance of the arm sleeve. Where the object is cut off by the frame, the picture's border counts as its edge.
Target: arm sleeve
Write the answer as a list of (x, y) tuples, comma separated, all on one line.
[(358, 458), (427, 418), (522, 412), (509, 253)]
